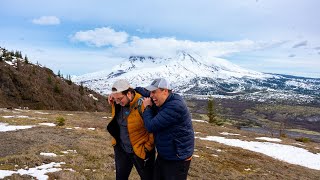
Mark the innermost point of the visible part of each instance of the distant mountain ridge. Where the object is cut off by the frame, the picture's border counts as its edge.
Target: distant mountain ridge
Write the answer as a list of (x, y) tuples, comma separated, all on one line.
[(23, 84), (191, 74)]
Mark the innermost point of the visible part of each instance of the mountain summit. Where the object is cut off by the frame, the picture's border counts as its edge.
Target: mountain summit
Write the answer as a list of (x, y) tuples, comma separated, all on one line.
[(192, 74)]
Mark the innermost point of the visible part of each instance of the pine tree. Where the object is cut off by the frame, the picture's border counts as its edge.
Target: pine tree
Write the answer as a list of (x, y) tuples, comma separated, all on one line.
[(26, 60), (81, 88), (68, 80), (211, 113)]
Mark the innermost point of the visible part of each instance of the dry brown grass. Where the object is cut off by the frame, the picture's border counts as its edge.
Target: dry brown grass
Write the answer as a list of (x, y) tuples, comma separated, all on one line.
[(94, 158)]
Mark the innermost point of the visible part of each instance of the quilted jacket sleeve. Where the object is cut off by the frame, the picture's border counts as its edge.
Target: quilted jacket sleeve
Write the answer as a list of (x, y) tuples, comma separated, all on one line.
[(169, 114)]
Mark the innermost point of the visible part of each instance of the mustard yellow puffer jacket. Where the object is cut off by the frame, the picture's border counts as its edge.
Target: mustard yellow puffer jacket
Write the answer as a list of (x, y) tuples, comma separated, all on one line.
[(141, 140)]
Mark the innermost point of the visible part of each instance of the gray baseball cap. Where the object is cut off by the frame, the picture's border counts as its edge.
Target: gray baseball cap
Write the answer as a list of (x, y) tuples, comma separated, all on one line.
[(159, 83), (120, 85)]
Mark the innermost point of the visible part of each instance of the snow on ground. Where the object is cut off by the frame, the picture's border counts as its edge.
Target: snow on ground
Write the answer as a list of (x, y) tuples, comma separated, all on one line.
[(196, 120), (6, 127), (48, 154), (15, 116), (231, 134), (269, 139), (38, 112), (25, 117), (69, 151), (47, 124), (92, 96), (287, 153), (37, 172)]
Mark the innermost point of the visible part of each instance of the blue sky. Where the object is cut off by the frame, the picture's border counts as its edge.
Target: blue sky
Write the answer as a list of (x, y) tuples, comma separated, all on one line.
[(83, 36)]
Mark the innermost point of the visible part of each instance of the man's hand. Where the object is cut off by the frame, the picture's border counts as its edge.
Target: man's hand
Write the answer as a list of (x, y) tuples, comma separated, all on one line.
[(147, 102), (110, 99)]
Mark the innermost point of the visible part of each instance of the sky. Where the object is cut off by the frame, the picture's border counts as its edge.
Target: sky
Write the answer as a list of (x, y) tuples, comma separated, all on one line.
[(85, 36)]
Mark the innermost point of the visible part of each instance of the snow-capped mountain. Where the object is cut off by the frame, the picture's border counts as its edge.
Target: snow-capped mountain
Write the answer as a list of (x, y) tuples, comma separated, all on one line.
[(191, 74)]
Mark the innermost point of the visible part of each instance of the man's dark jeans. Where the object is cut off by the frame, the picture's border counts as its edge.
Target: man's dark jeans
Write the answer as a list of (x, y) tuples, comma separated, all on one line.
[(125, 161), (171, 170)]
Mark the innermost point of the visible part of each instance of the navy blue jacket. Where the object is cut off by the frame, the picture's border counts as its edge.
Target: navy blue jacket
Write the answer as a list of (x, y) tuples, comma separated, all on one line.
[(172, 128)]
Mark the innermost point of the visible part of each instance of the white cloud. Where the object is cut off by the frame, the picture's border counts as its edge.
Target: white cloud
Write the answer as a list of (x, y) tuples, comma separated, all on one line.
[(47, 20), (168, 46), (300, 44), (143, 30), (99, 37)]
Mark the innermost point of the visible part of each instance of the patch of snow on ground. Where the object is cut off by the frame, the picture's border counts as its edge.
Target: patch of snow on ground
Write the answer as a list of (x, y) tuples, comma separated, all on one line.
[(231, 134), (69, 151), (92, 96), (196, 120), (269, 139), (281, 152), (37, 172), (38, 112), (6, 127), (27, 117), (47, 124), (15, 116), (48, 154)]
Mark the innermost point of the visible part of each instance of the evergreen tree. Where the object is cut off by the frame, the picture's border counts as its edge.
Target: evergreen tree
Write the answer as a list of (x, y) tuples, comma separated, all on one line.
[(11, 53), (211, 113), (81, 88), (68, 80), (26, 60)]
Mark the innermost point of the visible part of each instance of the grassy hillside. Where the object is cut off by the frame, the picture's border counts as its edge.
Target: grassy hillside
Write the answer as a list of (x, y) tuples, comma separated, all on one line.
[(91, 155), (23, 84)]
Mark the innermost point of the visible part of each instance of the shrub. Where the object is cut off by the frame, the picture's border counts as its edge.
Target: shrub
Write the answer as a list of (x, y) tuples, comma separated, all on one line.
[(303, 139), (60, 121), (56, 89), (49, 80)]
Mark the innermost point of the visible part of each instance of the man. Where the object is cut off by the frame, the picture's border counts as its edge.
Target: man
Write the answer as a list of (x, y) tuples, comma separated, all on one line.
[(133, 144), (170, 122)]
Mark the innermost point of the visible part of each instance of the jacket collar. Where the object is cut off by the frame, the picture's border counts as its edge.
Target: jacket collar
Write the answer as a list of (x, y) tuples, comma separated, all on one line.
[(135, 99)]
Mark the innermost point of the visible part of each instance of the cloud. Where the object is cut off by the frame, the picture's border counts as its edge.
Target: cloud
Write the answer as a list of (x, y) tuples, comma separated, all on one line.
[(121, 44), (292, 55), (168, 46), (143, 30), (99, 37), (46, 20), (300, 44)]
